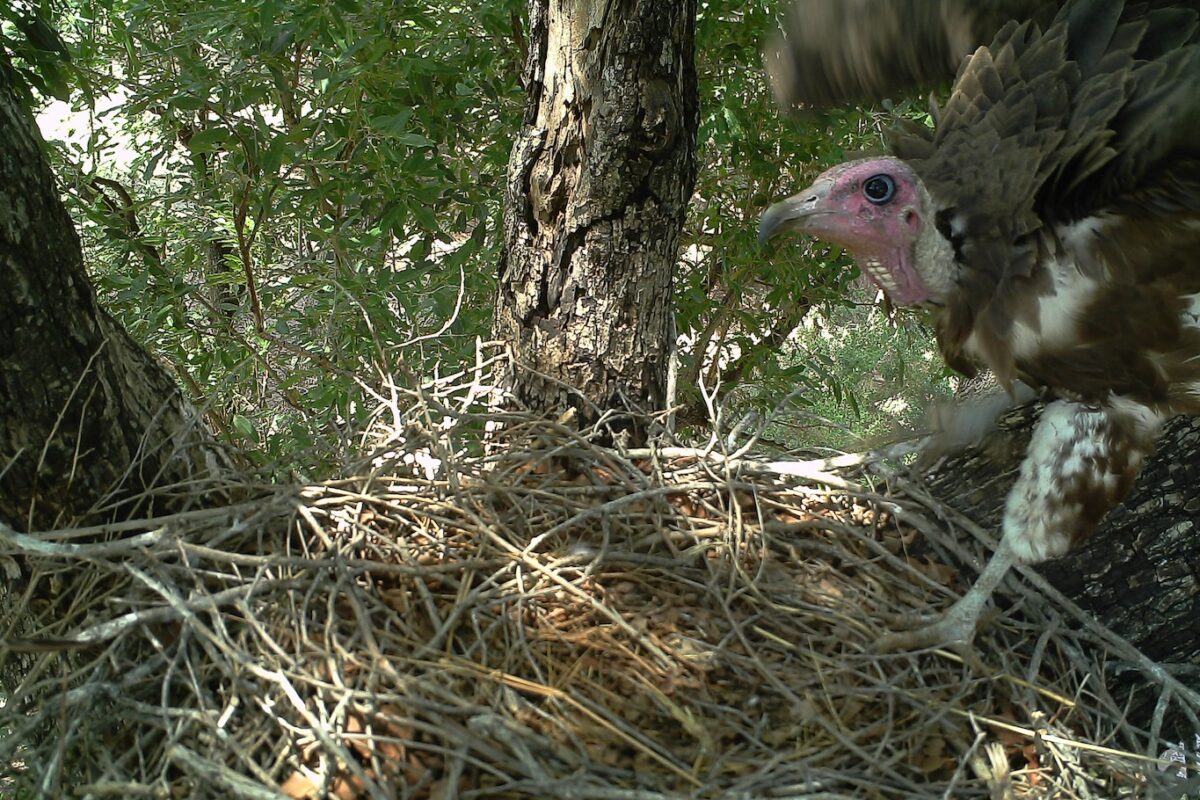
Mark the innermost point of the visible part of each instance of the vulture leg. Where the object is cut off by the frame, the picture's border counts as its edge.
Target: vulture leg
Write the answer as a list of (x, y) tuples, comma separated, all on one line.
[(1081, 461)]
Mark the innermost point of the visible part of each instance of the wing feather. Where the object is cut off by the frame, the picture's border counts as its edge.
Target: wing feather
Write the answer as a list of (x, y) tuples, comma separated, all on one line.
[(1044, 129), (837, 51)]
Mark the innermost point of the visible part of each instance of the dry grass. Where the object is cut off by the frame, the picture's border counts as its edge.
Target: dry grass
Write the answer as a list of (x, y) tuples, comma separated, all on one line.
[(555, 620)]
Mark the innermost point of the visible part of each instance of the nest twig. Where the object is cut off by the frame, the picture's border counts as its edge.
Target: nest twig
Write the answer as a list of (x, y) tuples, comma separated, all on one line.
[(546, 619)]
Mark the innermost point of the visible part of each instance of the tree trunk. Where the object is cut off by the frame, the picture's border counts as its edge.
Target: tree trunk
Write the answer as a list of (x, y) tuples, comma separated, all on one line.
[(89, 423), (1139, 574), (598, 184)]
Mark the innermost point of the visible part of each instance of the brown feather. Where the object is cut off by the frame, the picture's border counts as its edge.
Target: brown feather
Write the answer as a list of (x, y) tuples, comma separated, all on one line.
[(836, 51)]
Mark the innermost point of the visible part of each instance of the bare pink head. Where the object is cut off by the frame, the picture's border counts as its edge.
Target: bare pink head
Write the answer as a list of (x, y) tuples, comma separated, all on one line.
[(878, 210)]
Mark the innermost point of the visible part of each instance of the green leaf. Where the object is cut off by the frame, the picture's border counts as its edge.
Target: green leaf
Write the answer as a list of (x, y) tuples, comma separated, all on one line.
[(414, 140), (731, 121), (425, 217), (186, 102), (43, 37), (272, 159), (392, 124), (244, 426), (207, 140)]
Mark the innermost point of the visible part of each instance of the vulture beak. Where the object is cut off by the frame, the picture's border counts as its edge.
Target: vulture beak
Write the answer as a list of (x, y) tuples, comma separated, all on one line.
[(795, 213)]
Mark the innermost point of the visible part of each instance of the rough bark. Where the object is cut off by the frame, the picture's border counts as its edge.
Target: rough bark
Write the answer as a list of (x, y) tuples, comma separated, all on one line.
[(88, 421), (1140, 573), (598, 184)]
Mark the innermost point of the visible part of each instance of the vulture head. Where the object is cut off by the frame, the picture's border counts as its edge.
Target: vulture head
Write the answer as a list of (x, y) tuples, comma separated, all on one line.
[(878, 209)]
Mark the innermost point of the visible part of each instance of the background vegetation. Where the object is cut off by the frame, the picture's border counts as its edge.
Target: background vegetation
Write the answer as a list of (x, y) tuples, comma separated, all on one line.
[(290, 202)]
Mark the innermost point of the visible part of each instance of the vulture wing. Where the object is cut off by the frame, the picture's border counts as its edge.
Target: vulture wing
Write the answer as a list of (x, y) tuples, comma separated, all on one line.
[(1092, 120), (837, 51)]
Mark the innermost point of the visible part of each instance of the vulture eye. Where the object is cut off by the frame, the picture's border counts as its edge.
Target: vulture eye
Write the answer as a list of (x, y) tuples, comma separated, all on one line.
[(879, 189)]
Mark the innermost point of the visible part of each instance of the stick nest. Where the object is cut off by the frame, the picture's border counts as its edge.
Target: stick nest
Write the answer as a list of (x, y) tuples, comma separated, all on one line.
[(550, 620)]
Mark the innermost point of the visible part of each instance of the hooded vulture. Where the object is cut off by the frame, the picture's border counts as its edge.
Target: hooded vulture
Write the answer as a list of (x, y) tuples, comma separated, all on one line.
[(1048, 222)]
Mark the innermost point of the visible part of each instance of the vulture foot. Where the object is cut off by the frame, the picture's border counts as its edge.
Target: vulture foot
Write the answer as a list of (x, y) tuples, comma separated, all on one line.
[(956, 627)]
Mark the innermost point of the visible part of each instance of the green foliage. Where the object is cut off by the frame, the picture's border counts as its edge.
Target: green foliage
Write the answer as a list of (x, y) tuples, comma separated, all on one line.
[(38, 59), (290, 199), (314, 184), (884, 373)]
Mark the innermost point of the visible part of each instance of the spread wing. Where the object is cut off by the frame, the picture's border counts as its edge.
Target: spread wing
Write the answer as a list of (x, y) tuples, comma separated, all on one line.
[(1095, 116), (837, 51)]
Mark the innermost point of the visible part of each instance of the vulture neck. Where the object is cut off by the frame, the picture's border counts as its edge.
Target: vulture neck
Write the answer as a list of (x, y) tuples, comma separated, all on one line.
[(934, 257)]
